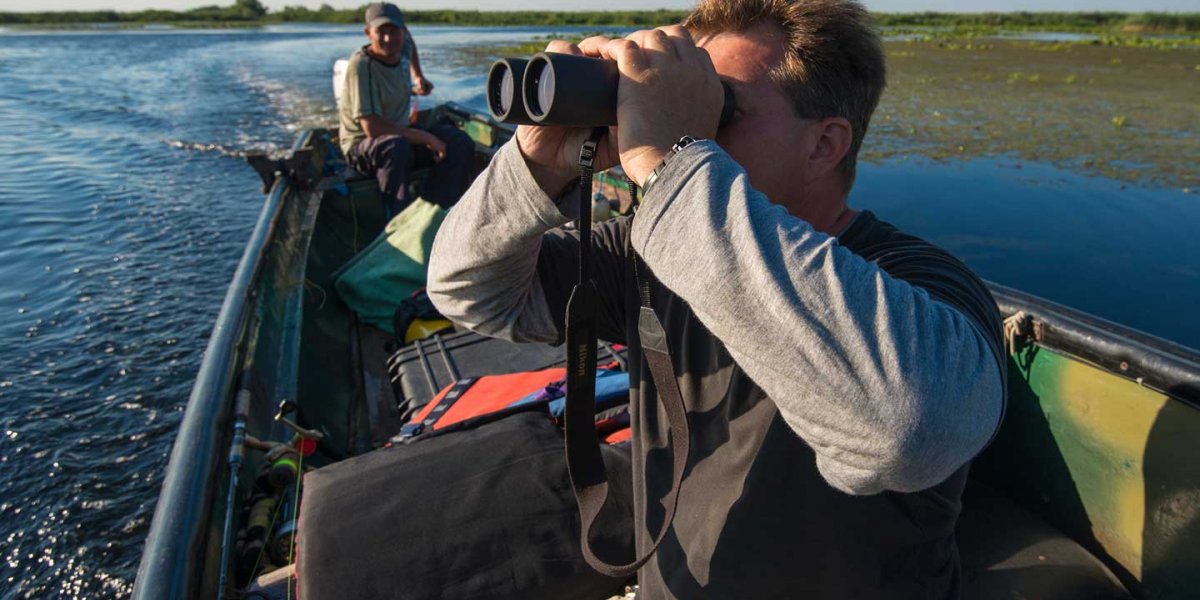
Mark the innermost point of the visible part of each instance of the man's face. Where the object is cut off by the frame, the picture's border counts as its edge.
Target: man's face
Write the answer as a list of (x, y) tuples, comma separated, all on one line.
[(764, 136), (386, 40)]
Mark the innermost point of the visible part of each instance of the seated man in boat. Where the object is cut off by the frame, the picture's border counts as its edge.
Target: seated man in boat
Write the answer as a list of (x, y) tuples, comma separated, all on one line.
[(838, 374), (373, 112)]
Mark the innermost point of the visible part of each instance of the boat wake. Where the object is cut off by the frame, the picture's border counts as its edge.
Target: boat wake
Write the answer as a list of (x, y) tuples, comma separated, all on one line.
[(294, 109), (274, 151)]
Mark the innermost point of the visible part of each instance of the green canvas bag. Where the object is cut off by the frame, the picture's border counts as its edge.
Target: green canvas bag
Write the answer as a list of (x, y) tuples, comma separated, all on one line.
[(392, 267)]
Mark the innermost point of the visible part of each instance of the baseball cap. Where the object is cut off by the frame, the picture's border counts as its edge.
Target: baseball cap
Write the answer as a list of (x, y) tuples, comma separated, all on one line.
[(382, 13)]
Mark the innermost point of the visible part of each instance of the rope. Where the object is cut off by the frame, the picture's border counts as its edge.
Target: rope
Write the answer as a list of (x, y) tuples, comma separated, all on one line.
[(266, 541), (354, 224), (295, 526), (1015, 328), (311, 285)]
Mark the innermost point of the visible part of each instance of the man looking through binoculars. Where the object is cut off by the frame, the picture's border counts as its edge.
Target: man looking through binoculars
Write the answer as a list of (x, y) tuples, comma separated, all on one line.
[(838, 374)]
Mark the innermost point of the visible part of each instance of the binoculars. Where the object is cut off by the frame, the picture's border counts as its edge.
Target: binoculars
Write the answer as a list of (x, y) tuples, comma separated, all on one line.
[(550, 88)]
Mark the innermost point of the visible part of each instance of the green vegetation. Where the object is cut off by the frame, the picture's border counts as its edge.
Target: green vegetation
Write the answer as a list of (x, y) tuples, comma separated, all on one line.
[(1123, 112), (474, 17), (1089, 22), (252, 12), (481, 56), (241, 12)]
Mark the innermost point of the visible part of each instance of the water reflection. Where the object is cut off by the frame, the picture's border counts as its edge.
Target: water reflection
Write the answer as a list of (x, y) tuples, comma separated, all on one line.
[(1118, 251)]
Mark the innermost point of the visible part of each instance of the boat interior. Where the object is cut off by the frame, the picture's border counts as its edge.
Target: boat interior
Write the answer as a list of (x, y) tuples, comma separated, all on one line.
[(1089, 490)]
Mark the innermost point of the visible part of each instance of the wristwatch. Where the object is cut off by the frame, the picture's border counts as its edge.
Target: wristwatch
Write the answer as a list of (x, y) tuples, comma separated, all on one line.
[(683, 142)]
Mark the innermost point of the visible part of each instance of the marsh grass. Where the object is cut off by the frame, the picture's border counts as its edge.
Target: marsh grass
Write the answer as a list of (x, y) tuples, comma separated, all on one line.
[(982, 38), (1096, 108), (482, 56)]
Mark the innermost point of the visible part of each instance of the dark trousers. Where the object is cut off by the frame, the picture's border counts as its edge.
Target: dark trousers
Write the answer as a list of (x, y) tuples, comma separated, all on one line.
[(390, 158)]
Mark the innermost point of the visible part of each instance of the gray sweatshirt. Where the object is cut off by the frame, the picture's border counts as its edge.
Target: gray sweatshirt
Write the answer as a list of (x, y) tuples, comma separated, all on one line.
[(836, 389), (893, 389)]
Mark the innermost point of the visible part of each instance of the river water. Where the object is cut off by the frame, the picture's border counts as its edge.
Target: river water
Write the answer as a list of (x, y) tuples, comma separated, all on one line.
[(124, 206)]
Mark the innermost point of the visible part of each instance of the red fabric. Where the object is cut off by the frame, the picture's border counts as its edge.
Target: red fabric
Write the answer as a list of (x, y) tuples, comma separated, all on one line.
[(490, 394), (617, 437)]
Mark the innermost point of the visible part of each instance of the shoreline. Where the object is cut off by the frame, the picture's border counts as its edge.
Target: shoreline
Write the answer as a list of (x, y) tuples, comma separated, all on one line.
[(1119, 24)]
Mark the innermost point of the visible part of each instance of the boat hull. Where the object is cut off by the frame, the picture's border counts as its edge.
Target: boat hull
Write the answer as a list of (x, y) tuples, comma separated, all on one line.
[(1096, 441)]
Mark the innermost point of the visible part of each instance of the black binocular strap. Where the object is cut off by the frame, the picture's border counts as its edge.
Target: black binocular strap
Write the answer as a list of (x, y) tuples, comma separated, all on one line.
[(584, 462)]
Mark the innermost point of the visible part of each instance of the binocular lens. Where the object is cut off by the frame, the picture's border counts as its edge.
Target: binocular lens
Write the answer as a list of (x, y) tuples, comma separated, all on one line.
[(506, 91), (545, 83)]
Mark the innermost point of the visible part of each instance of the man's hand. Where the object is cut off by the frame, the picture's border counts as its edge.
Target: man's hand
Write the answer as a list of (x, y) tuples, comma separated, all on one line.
[(435, 144), (422, 86), (552, 153), (668, 89)]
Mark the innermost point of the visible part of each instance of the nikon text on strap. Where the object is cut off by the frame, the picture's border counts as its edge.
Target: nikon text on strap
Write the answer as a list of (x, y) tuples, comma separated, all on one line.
[(584, 462)]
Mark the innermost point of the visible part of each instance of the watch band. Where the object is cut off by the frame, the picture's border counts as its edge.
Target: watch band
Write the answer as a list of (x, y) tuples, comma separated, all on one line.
[(683, 142)]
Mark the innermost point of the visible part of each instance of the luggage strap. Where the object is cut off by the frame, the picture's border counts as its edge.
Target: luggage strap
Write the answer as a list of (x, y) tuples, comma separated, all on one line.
[(456, 391), (584, 462)]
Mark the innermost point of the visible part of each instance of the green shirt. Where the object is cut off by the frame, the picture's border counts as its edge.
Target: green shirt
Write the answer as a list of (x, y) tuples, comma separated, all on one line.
[(374, 88)]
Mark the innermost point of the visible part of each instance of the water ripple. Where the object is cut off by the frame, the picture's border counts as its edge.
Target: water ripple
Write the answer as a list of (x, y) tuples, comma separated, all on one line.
[(126, 206)]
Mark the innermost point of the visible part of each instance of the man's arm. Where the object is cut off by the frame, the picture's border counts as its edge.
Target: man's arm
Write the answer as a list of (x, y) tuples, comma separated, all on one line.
[(494, 264), (422, 86), (375, 126), (893, 389)]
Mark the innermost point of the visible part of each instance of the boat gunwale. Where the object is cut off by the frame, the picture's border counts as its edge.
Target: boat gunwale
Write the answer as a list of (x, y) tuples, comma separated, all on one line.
[(1153, 362), (178, 532)]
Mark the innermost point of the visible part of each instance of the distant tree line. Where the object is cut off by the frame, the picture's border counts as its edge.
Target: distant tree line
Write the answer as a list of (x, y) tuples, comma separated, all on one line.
[(325, 14), (249, 12), (1081, 21), (242, 11)]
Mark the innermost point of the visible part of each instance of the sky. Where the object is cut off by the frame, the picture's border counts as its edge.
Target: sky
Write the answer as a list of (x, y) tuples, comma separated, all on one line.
[(876, 5)]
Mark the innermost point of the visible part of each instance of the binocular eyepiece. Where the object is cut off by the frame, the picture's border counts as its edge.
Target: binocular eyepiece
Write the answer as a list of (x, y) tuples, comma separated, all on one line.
[(550, 88)]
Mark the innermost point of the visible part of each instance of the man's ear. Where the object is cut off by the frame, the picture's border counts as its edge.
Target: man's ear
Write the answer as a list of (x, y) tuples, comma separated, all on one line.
[(367, 30), (833, 143)]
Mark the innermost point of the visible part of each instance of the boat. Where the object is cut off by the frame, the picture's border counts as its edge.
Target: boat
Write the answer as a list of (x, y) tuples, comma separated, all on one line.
[(1090, 481)]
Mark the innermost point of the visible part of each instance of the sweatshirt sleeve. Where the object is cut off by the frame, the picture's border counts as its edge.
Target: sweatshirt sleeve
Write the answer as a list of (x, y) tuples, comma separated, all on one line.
[(892, 388), (500, 265)]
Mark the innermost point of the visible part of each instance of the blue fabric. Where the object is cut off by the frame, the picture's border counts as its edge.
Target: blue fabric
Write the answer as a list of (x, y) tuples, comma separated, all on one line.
[(610, 384)]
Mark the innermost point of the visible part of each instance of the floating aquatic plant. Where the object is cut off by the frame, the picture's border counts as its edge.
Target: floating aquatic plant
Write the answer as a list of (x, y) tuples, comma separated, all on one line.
[(992, 106)]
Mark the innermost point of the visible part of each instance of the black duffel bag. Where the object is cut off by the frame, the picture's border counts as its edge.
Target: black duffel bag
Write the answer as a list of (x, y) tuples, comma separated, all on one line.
[(483, 509)]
